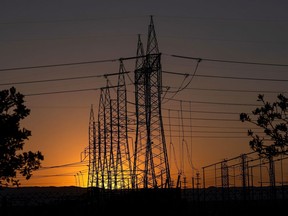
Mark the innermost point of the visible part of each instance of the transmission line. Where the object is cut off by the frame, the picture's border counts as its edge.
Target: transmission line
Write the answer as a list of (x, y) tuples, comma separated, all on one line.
[(58, 65), (228, 61), (226, 77), (62, 92)]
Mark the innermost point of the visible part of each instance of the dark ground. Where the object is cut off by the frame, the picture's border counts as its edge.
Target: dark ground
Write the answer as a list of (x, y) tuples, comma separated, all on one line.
[(79, 201)]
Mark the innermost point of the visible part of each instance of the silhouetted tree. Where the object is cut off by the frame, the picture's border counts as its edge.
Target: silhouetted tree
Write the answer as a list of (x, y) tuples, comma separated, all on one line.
[(273, 119), (13, 160)]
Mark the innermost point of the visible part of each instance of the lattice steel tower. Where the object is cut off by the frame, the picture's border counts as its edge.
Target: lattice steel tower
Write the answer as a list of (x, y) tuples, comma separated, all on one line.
[(122, 167), (104, 139), (109, 156), (151, 167), (92, 176)]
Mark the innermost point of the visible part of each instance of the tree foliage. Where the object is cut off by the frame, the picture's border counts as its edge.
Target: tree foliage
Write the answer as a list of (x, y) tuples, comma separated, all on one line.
[(272, 119), (13, 160)]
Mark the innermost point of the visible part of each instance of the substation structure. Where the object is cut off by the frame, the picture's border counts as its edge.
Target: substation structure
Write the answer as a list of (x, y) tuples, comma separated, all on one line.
[(245, 177), (113, 164)]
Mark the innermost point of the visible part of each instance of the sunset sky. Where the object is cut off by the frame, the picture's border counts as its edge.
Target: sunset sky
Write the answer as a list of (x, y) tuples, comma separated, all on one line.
[(243, 46)]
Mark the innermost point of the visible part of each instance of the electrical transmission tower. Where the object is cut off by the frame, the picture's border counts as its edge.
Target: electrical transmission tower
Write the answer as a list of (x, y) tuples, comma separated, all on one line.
[(109, 156), (151, 167), (122, 163), (110, 165), (104, 139), (92, 181)]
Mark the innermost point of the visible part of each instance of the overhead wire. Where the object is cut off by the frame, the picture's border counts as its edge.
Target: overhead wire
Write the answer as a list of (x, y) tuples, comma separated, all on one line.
[(201, 111), (227, 77), (181, 88), (63, 79), (61, 92), (57, 65), (172, 145), (218, 103), (233, 90), (228, 61), (62, 165)]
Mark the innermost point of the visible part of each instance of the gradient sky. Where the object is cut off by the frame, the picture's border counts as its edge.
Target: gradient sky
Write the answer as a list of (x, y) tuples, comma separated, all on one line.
[(38, 33)]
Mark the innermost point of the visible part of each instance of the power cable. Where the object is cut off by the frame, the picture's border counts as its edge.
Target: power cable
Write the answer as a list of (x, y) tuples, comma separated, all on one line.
[(62, 92), (52, 80), (58, 65), (228, 61), (198, 59), (243, 78), (216, 103), (227, 77), (181, 88), (200, 111), (62, 165), (233, 90)]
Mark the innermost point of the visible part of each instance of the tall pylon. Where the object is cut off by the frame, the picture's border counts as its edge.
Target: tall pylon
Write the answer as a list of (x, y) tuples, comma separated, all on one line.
[(104, 139), (109, 154), (122, 163), (151, 167), (92, 176)]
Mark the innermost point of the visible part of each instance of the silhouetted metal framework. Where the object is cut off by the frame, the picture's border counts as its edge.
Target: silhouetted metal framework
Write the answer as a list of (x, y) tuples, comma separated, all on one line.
[(122, 163), (92, 175), (109, 155), (151, 167), (244, 171), (104, 139), (225, 180), (224, 174), (110, 164), (247, 177)]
